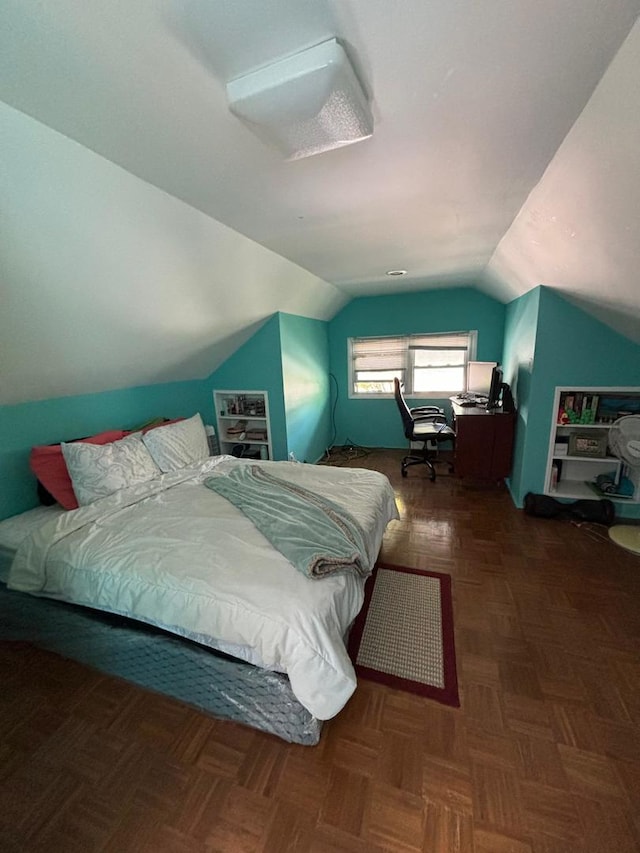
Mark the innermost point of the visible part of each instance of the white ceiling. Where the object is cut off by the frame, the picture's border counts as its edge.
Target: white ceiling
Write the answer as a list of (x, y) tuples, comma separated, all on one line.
[(490, 164)]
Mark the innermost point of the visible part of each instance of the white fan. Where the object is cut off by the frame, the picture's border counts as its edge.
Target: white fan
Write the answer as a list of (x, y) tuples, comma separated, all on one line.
[(624, 442)]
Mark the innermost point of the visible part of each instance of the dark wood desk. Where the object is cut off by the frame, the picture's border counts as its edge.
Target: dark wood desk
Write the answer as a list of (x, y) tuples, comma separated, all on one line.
[(484, 442)]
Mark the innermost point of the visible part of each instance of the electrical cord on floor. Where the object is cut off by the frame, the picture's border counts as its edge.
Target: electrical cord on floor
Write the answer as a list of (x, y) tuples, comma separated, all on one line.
[(346, 453), (593, 530), (333, 413)]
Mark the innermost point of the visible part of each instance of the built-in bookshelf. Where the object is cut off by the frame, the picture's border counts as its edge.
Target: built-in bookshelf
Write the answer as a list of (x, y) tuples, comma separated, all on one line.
[(580, 463), (243, 423)]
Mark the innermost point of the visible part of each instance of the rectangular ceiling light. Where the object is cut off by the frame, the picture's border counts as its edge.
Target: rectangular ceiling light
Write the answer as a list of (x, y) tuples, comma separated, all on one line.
[(304, 104)]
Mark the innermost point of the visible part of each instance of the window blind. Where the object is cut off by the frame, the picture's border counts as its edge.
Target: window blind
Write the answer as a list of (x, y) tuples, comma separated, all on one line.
[(379, 353)]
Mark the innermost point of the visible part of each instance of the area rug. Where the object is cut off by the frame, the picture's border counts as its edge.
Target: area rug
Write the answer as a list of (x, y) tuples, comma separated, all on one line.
[(403, 636)]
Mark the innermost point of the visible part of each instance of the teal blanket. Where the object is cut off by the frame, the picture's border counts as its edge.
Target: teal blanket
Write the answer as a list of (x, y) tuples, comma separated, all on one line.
[(315, 535)]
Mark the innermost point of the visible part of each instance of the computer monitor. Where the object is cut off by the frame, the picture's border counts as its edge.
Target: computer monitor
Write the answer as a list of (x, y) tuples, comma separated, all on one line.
[(493, 400), (479, 375)]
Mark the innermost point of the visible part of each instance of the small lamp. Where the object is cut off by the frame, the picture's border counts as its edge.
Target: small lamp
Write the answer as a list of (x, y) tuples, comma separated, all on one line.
[(304, 104)]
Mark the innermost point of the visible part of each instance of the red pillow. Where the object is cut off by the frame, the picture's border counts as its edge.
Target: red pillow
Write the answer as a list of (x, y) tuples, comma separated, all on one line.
[(48, 464)]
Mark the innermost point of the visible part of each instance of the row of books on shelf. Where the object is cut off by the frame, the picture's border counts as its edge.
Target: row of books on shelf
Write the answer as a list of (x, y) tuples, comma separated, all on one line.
[(241, 404), (578, 408)]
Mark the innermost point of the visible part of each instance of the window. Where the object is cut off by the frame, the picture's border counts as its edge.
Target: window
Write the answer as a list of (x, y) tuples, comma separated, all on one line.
[(427, 365)]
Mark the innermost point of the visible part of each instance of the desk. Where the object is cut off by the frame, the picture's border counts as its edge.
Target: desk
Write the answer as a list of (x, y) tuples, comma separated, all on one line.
[(484, 441)]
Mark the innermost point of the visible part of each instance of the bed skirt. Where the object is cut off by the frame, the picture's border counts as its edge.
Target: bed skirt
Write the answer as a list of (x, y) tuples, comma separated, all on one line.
[(217, 684)]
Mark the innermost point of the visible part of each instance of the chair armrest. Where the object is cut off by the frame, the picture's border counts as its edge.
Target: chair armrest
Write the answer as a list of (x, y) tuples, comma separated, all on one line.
[(437, 420), (426, 410)]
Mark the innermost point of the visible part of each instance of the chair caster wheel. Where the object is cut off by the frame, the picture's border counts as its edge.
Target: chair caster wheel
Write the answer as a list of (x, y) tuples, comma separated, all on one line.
[(404, 472)]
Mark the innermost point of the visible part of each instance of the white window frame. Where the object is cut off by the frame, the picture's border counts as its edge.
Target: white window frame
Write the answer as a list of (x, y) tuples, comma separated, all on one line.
[(405, 365)]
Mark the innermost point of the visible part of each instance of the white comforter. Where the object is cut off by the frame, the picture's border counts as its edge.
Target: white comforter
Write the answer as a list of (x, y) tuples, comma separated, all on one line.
[(177, 555)]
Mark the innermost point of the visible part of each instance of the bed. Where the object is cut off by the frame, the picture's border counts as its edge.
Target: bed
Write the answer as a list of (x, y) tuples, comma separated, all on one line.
[(172, 566)]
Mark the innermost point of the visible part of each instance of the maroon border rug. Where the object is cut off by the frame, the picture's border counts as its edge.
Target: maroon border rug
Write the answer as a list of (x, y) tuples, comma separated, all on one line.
[(403, 636)]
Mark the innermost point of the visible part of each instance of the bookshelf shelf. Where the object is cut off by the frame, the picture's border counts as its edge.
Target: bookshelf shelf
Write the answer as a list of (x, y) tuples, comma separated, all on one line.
[(611, 459), (586, 413), (582, 426)]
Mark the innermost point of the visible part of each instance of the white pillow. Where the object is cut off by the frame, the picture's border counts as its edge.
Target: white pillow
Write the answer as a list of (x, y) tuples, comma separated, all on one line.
[(178, 445), (99, 470)]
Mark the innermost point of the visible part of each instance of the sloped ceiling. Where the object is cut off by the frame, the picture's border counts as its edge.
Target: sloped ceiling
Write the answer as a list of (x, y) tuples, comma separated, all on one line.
[(579, 229), (490, 164)]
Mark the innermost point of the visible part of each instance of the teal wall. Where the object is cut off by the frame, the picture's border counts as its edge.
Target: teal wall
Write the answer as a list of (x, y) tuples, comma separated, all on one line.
[(376, 423), (289, 358), (48, 421), (571, 348), (305, 371), (257, 366)]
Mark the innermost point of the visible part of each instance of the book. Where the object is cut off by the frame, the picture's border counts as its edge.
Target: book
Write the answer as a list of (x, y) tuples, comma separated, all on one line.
[(577, 403)]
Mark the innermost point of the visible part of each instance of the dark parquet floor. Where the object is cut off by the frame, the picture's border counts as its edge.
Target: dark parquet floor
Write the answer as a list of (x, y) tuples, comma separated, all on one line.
[(542, 757)]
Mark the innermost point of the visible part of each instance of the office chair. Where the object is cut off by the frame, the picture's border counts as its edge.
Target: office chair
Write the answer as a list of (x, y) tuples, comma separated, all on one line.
[(425, 424)]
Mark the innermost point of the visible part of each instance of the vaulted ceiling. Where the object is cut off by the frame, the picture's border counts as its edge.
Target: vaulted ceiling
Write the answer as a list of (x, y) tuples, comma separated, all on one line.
[(505, 151)]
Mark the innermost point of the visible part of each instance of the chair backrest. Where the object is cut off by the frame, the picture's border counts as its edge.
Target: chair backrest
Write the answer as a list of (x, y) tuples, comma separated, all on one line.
[(405, 413)]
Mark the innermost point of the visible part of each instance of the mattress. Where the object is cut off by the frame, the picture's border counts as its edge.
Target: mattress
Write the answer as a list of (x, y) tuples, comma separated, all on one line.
[(177, 555)]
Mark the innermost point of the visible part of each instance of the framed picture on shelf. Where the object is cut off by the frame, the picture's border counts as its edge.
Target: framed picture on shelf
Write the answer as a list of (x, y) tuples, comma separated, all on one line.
[(585, 444)]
